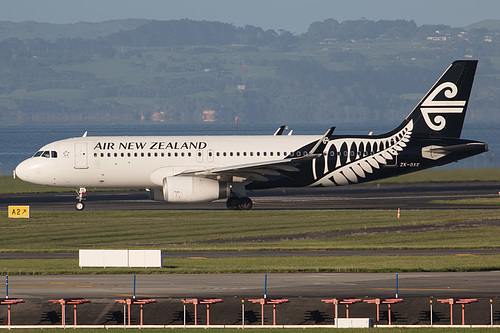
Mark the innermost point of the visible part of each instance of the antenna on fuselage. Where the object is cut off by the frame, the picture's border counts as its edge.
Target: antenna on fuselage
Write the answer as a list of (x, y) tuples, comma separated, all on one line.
[(84, 134)]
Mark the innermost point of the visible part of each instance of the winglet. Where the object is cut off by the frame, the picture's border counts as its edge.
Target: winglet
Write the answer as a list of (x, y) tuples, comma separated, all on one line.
[(280, 130), (320, 145)]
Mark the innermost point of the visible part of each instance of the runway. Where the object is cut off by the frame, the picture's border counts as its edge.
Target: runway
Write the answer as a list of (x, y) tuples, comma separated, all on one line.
[(371, 196), (447, 284)]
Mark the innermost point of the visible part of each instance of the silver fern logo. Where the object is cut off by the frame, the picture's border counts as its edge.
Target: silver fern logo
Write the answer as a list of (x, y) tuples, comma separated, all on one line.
[(356, 159), (431, 106)]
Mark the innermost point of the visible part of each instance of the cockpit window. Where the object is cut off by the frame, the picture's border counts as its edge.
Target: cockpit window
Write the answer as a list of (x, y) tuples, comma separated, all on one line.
[(46, 154)]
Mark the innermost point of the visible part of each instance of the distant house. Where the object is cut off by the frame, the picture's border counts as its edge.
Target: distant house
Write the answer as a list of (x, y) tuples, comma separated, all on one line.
[(159, 116), (208, 116), (437, 39), (328, 41)]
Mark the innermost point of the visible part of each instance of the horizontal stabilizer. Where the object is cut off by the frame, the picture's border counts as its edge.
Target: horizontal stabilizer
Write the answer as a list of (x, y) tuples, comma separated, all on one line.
[(436, 152)]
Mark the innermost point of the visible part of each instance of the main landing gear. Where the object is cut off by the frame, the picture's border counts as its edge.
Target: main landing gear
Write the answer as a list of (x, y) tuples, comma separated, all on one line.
[(81, 196), (236, 203)]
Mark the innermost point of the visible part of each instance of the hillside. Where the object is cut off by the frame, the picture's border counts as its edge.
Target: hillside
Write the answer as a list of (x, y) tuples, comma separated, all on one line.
[(185, 71), (491, 25), (48, 31)]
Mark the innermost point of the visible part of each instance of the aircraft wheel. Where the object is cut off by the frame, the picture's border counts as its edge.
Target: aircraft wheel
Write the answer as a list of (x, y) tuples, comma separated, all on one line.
[(79, 205), (232, 203), (245, 204)]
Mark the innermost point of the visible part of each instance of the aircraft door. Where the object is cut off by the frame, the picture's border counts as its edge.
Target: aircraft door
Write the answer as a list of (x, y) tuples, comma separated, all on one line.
[(81, 158)]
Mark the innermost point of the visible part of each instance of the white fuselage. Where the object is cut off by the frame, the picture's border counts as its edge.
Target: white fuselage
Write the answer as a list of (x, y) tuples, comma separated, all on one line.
[(124, 162)]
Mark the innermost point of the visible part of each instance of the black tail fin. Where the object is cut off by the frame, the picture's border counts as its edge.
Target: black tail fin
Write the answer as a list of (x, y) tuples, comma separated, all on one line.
[(441, 112)]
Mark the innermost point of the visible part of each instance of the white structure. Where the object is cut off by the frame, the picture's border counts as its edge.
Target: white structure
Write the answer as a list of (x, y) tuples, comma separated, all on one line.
[(121, 258)]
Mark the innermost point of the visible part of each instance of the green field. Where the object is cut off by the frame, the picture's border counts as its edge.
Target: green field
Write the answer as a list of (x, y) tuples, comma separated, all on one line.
[(257, 231), (253, 230), (261, 231)]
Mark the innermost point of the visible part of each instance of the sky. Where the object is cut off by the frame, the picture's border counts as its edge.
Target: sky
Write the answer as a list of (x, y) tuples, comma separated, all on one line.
[(291, 15)]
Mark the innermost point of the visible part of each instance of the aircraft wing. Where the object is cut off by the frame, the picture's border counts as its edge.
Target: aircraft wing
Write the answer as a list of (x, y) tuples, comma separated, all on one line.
[(252, 171), (259, 170)]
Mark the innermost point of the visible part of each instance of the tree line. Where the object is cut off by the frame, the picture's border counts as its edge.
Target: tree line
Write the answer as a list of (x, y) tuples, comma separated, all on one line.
[(302, 89)]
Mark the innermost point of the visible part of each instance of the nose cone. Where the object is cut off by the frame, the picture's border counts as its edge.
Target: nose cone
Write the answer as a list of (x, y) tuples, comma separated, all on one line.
[(22, 171)]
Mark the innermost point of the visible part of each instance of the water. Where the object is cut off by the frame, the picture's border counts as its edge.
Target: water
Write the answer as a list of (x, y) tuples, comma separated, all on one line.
[(20, 142)]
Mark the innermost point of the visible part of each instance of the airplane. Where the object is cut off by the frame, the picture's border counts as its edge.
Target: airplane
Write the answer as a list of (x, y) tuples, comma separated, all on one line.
[(193, 169)]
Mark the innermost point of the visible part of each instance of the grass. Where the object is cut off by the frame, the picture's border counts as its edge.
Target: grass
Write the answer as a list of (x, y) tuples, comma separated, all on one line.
[(245, 230), (257, 231), (471, 201), (9, 185), (446, 175), (321, 264)]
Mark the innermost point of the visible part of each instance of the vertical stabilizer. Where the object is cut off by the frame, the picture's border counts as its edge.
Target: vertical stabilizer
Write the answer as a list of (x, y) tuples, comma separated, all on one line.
[(441, 112)]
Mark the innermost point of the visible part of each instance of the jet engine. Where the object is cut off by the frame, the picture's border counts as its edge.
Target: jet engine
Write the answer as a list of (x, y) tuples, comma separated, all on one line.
[(194, 189)]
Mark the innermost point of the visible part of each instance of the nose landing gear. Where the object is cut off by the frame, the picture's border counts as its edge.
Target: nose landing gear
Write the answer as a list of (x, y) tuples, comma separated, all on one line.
[(81, 196)]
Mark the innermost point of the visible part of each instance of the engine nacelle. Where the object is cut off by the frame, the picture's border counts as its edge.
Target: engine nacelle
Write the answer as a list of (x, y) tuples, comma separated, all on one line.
[(194, 189)]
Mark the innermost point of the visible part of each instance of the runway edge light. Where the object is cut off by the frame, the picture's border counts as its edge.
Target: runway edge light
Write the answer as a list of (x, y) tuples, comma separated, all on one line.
[(19, 212)]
